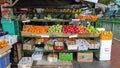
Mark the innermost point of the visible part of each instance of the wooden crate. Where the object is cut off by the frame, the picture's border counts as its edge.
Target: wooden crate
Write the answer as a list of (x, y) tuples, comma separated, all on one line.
[(85, 57), (4, 49)]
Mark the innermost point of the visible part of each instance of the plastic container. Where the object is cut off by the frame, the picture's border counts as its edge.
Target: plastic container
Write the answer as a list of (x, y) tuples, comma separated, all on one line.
[(2, 65), (25, 62), (71, 45), (5, 59), (36, 56), (66, 56), (10, 26)]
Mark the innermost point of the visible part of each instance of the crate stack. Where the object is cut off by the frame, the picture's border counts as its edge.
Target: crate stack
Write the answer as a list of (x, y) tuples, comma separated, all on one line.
[(106, 45)]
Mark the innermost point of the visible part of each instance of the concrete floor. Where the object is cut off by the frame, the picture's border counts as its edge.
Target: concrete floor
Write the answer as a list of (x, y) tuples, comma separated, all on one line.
[(113, 63)]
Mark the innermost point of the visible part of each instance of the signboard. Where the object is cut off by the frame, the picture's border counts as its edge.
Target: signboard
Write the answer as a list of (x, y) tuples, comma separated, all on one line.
[(94, 1)]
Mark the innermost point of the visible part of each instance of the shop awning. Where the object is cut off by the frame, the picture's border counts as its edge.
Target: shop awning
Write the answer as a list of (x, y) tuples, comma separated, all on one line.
[(52, 4)]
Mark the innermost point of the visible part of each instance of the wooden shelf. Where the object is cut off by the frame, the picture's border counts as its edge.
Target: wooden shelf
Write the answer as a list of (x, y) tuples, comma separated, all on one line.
[(58, 35), (92, 50)]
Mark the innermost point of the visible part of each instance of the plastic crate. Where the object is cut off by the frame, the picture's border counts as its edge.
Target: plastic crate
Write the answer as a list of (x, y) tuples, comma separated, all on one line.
[(10, 26), (25, 62), (66, 56), (5, 60), (36, 56), (8, 59), (2, 65)]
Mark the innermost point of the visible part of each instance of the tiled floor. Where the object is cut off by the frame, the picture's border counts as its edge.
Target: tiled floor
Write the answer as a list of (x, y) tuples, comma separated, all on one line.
[(114, 63)]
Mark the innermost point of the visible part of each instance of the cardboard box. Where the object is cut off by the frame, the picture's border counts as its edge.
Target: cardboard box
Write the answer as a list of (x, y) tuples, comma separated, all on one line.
[(71, 45), (85, 57), (105, 50), (28, 45), (106, 43), (104, 57)]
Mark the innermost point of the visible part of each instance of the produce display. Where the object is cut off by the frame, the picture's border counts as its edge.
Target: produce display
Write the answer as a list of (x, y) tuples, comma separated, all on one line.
[(3, 43), (55, 28), (35, 29), (41, 40), (59, 30), (105, 35), (82, 29), (90, 17), (91, 29), (70, 29)]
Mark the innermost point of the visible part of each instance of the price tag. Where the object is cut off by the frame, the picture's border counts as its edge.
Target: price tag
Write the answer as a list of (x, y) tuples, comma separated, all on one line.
[(26, 21), (75, 19), (45, 36), (73, 36)]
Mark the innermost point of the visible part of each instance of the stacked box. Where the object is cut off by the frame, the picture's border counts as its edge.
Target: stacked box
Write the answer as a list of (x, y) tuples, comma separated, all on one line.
[(85, 57), (105, 49)]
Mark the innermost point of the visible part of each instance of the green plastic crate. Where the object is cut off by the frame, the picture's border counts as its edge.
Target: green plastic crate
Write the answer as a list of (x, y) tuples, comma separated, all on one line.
[(66, 56), (10, 26)]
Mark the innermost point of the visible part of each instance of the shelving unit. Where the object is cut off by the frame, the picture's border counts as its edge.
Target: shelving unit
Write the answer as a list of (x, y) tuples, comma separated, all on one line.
[(54, 35)]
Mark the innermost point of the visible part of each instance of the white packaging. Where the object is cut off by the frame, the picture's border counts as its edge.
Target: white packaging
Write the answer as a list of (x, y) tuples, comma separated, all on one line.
[(104, 57), (94, 1), (94, 46), (11, 39), (72, 47), (25, 62), (105, 50), (36, 56), (106, 43), (82, 44)]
